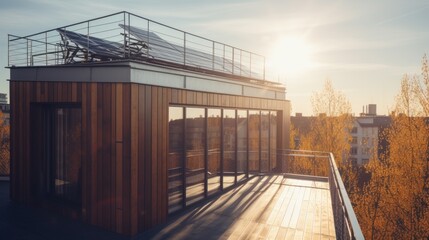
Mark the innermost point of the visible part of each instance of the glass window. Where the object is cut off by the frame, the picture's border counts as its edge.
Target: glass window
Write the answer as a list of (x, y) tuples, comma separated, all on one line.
[(273, 141), (254, 122), (229, 147), (265, 131), (175, 159), (241, 144), (195, 147), (214, 137), (65, 155)]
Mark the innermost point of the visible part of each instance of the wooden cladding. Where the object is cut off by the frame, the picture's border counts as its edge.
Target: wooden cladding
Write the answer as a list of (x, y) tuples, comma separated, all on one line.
[(124, 145)]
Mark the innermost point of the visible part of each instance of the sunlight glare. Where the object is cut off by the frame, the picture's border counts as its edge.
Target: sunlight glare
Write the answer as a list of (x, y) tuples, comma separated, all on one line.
[(290, 56)]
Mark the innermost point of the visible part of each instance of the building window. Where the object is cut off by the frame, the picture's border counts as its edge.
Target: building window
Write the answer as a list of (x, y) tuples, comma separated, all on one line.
[(354, 140), (214, 139), (273, 140), (354, 130), (265, 134), (353, 161), (229, 147), (241, 144), (211, 149), (254, 143), (195, 136), (353, 151), (175, 159)]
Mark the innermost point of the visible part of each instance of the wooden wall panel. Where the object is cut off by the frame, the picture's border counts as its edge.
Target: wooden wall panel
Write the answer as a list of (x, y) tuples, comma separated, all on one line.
[(126, 160), (124, 145), (141, 159), (134, 157)]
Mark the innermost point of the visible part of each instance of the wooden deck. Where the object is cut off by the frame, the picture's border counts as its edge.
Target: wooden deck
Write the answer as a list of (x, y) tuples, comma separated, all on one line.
[(268, 207)]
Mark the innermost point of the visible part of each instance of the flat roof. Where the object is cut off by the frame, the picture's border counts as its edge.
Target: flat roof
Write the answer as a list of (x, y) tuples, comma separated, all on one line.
[(128, 71)]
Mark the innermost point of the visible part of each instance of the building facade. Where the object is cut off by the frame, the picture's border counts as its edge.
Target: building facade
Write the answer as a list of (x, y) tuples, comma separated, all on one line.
[(125, 143)]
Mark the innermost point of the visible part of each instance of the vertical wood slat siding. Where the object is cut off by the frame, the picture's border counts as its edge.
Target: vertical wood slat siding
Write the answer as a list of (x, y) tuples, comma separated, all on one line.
[(124, 145), (126, 159)]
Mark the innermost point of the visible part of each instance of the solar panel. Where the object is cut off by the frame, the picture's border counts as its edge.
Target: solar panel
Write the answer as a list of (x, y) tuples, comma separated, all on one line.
[(92, 46), (163, 50), (158, 48)]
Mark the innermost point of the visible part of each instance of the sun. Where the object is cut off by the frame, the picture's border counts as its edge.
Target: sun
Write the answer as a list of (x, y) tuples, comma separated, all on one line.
[(290, 56)]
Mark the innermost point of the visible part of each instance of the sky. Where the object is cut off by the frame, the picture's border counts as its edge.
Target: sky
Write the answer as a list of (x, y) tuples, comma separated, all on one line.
[(363, 47)]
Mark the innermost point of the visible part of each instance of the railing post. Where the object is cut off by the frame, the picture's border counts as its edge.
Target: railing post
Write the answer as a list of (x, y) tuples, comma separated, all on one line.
[(241, 56), (148, 44), (233, 55), (46, 48), (27, 52), (125, 35), (8, 50), (184, 48), (250, 65), (223, 58), (263, 77), (31, 53), (213, 58), (87, 43)]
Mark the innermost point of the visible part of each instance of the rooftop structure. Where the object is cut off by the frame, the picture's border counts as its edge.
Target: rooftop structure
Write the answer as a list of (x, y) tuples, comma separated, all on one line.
[(123, 122), (127, 36)]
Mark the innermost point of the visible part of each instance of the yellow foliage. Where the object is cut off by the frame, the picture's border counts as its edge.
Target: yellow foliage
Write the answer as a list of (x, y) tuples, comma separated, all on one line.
[(4, 146), (394, 204)]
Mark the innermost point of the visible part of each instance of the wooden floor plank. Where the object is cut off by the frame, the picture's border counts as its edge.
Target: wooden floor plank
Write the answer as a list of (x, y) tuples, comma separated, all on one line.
[(267, 207)]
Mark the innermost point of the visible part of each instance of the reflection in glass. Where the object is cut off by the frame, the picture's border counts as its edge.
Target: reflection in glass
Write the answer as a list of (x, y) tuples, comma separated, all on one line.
[(65, 166), (273, 140), (214, 121), (175, 159), (241, 144), (229, 147), (254, 117), (195, 146), (265, 127)]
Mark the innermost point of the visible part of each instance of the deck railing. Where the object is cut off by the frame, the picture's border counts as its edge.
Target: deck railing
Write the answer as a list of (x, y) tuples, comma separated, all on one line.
[(322, 164), (122, 36)]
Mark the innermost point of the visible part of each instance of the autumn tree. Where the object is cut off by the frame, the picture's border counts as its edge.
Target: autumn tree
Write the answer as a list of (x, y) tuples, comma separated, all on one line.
[(395, 202), (330, 129), (4, 146), (331, 126)]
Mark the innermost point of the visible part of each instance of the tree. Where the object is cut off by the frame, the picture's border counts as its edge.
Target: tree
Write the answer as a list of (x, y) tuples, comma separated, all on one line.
[(395, 202), (4, 146), (330, 129), (331, 126)]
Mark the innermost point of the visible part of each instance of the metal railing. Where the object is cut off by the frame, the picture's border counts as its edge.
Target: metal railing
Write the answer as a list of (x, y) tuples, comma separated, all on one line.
[(51, 48), (322, 164)]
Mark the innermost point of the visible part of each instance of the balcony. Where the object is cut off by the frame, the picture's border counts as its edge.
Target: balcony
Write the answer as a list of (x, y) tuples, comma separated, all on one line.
[(307, 201)]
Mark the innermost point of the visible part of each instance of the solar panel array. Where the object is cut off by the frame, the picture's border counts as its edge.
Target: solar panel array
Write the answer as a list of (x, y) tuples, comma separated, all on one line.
[(113, 37), (162, 50)]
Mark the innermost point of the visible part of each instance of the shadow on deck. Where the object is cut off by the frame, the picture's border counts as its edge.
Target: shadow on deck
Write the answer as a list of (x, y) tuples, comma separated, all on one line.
[(267, 207)]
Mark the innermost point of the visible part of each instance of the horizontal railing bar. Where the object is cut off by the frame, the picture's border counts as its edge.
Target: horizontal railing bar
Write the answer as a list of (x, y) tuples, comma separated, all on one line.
[(306, 155), (74, 24)]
